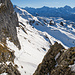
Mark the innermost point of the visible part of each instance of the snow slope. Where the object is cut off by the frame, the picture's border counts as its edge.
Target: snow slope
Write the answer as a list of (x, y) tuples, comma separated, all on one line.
[(36, 35), (56, 32), (65, 34), (33, 47)]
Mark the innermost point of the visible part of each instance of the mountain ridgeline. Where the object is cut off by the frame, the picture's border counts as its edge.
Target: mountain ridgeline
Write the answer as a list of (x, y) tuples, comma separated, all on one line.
[(65, 12)]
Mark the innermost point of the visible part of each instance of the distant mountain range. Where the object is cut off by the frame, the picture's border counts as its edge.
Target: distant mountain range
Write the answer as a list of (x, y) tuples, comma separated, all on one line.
[(65, 12)]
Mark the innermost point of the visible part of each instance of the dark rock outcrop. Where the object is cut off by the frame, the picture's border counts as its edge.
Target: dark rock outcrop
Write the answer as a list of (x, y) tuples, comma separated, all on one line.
[(52, 22), (61, 23), (54, 64), (8, 22)]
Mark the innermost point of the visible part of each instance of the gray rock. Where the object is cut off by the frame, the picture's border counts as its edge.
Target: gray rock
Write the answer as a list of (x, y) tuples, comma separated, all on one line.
[(8, 22)]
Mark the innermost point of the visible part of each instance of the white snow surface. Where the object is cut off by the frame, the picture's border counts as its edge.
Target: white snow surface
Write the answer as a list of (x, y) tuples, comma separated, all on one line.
[(31, 53), (0, 4), (3, 74), (72, 67), (37, 39), (57, 56)]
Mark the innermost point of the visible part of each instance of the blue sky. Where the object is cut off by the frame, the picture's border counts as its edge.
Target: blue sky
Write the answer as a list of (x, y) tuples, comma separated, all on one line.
[(41, 3)]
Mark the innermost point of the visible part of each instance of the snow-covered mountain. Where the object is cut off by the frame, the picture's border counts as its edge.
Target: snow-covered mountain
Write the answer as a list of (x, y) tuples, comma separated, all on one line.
[(43, 24), (35, 35), (65, 12)]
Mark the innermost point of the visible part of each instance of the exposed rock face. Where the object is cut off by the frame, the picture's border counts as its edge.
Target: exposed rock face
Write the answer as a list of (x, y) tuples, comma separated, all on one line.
[(5, 54), (8, 22), (57, 65), (7, 61)]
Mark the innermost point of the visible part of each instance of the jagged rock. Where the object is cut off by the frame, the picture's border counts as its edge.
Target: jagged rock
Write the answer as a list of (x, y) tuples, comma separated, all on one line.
[(48, 62), (59, 66), (8, 22)]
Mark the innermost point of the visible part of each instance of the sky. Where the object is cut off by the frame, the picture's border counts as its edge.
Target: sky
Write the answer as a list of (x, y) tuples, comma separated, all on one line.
[(41, 3)]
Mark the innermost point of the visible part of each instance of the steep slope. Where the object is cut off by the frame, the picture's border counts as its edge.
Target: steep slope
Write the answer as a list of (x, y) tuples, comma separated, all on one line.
[(60, 33), (33, 46), (36, 34)]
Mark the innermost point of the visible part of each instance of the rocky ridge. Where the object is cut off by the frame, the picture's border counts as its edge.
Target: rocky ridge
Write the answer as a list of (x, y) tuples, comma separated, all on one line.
[(57, 61), (8, 24)]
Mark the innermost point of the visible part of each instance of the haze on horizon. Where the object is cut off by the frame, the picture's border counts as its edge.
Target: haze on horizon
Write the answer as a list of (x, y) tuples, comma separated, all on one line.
[(41, 3)]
